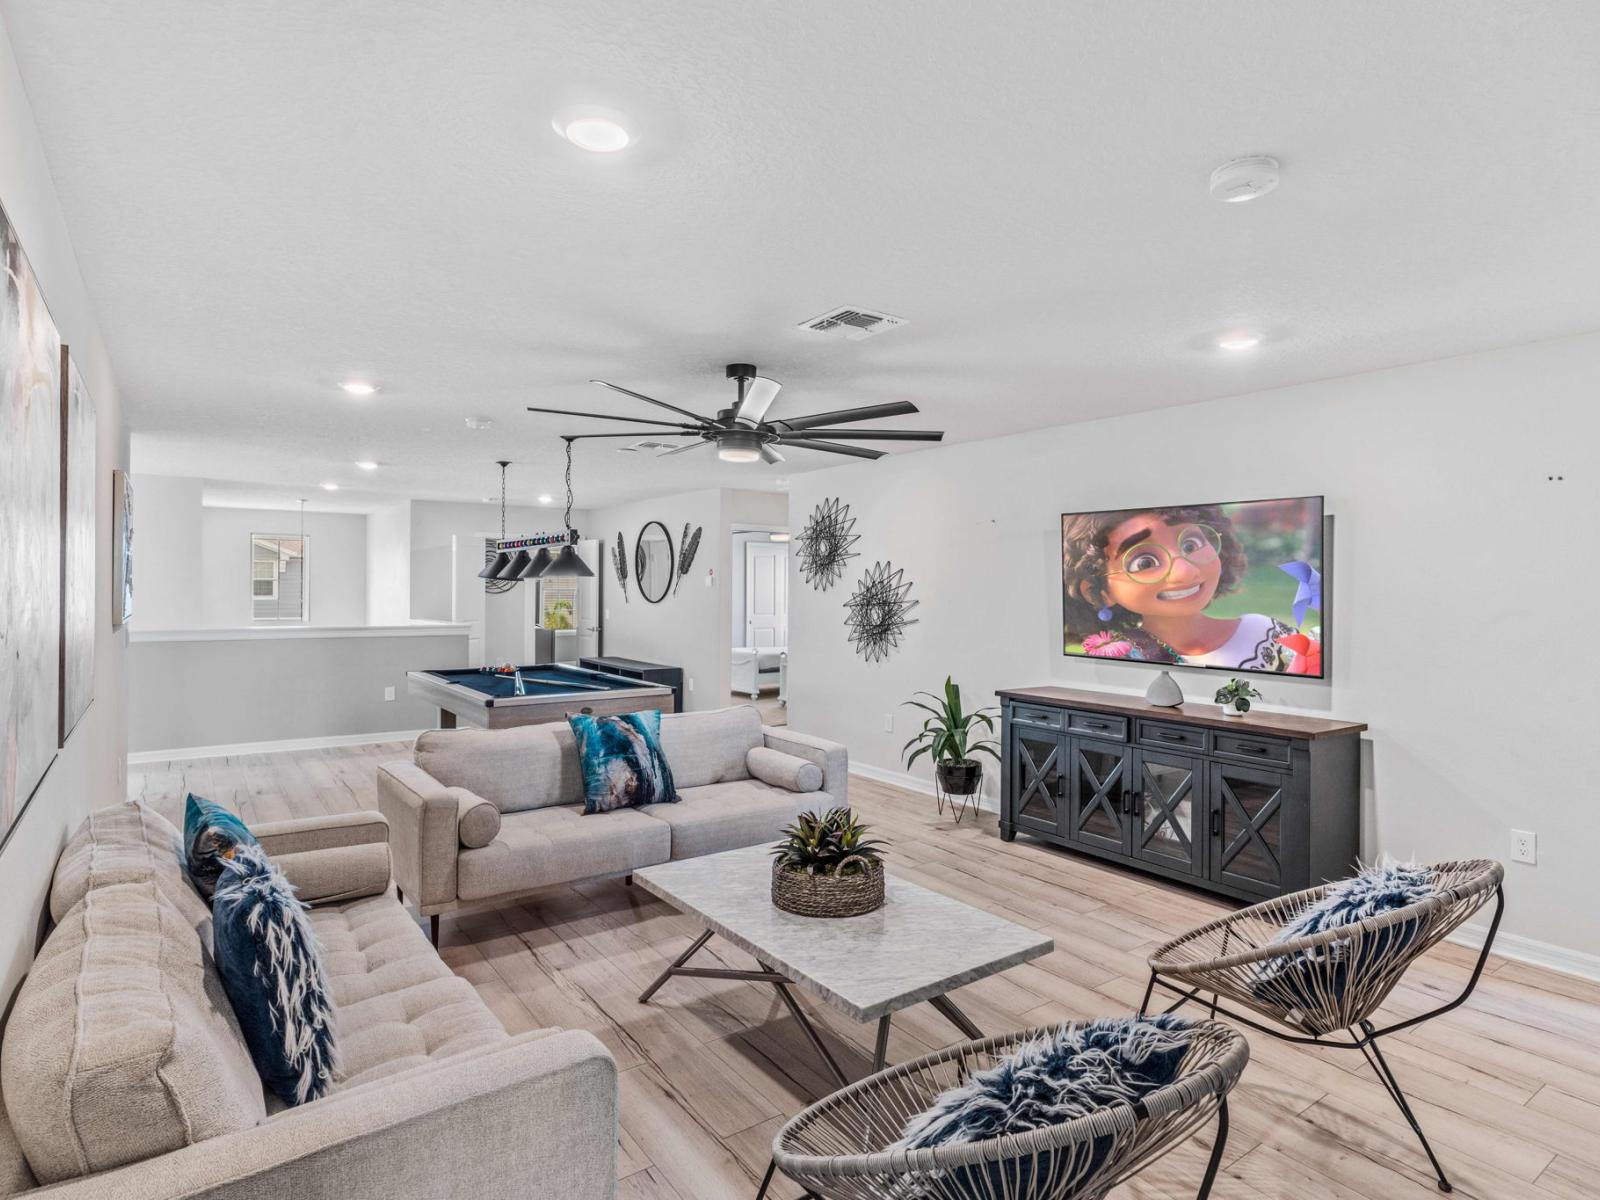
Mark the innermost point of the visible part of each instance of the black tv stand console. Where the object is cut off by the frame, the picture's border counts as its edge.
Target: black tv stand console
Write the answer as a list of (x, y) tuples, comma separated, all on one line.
[(1250, 807)]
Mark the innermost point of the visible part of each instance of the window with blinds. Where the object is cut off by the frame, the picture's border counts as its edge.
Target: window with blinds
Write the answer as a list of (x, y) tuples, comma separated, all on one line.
[(278, 580), (558, 602)]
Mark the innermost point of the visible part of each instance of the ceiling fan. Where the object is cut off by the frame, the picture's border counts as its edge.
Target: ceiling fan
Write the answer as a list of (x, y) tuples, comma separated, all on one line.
[(741, 433)]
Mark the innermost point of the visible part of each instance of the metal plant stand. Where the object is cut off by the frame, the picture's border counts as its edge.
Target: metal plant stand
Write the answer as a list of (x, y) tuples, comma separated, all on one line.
[(943, 1005), (1331, 982), (960, 805)]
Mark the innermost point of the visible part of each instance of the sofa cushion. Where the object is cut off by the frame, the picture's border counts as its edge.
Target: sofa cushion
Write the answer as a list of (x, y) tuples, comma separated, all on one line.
[(553, 845), (477, 820), (531, 766), (784, 770), (397, 1005), (122, 1044), (271, 967), (710, 747), (725, 816), (126, 843), (14, 1174)]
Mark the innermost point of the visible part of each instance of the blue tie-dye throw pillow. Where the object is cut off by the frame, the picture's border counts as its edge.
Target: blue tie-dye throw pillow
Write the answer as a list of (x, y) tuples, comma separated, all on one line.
[(210, 833), (623, 766), (271, 968)]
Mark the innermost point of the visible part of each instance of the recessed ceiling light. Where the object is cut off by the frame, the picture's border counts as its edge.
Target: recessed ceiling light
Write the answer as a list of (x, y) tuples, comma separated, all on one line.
[(1238, 341), (546, 498), (479, 422), (367, 466), (592, 131), (330, 487), (358, 387)]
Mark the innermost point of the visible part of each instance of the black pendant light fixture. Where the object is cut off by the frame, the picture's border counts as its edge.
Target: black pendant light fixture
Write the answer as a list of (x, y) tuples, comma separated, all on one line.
[(538, 564), (567, 563), (495, 566)]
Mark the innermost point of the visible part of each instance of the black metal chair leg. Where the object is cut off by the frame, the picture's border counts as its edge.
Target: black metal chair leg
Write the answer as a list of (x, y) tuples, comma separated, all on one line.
[(1216, 1151), (766, 1180), (1149, 990), (1392, 1086)]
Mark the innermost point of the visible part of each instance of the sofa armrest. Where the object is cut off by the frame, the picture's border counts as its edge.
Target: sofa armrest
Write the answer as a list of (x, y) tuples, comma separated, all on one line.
[(832, 757), (453, 1130), (332, 858), (359, 827), (424, 832)]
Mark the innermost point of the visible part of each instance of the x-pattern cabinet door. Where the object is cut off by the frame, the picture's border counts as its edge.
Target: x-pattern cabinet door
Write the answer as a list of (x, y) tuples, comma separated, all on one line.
[(1099, 783), (1247, 824), (1036, 765), (1169, 825)]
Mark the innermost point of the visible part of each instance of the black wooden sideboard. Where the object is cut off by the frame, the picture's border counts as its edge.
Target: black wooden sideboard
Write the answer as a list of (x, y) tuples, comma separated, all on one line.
[(1251, 807), (645, 672)]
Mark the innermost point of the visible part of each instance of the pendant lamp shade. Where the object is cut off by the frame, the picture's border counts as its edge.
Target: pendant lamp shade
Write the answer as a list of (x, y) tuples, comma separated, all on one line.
[(492, 569), (538, 564), (567, 564), (515, 568)]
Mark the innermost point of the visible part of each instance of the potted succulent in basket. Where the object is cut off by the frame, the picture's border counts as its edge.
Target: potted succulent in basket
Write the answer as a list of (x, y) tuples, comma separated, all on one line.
[(827, 866), (948, 735), (1235, 697)]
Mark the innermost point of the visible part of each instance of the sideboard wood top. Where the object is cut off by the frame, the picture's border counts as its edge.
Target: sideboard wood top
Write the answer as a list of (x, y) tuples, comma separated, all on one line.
[(1210, 715)]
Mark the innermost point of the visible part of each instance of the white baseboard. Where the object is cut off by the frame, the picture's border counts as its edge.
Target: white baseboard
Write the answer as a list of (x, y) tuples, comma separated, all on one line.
[(1531, 951), (314, 743), (916, 783), (1507, 945)]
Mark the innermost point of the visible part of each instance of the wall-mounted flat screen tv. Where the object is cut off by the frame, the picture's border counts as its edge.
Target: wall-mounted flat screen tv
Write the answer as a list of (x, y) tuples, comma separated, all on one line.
[(1233, 586)]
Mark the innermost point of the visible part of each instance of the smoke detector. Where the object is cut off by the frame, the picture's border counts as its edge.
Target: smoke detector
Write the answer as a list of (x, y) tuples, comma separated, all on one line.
[(852, 323), (1244, 179)]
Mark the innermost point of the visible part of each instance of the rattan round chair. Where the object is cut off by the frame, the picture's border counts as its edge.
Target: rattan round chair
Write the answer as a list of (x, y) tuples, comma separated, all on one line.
[(1331, 982), (838, 1148)]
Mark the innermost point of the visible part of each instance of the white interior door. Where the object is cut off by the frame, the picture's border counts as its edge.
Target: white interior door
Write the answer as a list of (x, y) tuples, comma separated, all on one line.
[(766, 594), (589, 615)]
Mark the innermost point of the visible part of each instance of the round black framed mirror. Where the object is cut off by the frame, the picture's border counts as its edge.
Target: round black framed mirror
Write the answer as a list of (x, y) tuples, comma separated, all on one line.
[(653, 562)]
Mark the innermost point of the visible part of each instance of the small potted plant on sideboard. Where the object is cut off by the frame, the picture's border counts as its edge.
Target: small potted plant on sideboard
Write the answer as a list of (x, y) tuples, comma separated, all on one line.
[(949, 736), (827, 866), (1235, 697)]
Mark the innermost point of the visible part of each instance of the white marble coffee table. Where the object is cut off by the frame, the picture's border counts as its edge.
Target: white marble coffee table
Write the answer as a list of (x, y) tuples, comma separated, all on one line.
[(918, 946)]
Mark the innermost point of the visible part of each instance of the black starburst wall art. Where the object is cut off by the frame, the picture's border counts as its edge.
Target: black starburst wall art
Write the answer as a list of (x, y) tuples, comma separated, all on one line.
[(876, 613), (824, 544)]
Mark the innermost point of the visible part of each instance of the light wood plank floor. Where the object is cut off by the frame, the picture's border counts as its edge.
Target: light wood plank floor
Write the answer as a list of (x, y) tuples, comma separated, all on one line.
[(1507, 1086)]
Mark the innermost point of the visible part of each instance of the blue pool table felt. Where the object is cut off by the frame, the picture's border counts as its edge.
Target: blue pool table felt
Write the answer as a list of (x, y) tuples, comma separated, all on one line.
[(537, 681)]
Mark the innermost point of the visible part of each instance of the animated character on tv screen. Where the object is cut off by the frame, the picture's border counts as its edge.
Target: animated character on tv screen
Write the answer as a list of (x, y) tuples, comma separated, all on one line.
[(1138, 583)]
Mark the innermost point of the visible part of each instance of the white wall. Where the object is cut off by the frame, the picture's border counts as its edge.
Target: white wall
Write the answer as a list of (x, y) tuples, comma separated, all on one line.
[(168, 576), (337, 563), (389, 564), (434, 525), (90, 770), (1463, 589)]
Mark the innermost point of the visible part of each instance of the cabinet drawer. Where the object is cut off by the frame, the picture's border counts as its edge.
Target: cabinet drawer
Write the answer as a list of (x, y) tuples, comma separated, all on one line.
[(1100, 724), (1159, 733), (1036, 715), (1252, 749)]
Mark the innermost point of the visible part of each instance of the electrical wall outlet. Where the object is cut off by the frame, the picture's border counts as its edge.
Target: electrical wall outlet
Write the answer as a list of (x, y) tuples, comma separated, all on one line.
[(1524, 846), (388, 693), (888, 722)]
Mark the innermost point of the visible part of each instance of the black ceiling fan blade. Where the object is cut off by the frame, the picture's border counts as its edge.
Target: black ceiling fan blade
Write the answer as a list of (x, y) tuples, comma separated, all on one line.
[(879, 435), (577, 437), (830, 447), (572, 412), (683, 412), (681, 449), (900, 408), (770, 455)]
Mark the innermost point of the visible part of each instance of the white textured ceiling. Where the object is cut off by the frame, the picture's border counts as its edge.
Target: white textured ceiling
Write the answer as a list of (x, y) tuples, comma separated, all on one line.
[(266, 199)]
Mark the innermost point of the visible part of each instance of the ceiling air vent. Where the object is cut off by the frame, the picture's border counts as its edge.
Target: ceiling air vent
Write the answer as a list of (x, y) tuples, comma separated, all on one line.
[(647, 446), (852, 323)]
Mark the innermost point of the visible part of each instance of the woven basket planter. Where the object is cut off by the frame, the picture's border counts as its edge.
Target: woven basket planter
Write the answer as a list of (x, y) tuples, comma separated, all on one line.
[(828, 895)]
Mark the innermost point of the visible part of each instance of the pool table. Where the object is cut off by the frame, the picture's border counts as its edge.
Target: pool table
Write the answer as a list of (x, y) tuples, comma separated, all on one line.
[(489, 700)]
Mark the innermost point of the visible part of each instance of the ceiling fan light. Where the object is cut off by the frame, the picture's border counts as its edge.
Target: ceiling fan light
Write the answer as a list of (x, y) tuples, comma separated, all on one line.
[(739, 446)]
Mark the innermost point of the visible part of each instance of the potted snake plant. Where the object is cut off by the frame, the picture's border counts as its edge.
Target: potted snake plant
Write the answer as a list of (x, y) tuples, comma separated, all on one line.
[(951, 736)]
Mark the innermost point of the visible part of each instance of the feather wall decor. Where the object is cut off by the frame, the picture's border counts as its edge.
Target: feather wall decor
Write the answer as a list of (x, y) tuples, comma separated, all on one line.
[(690, 543), (619, 563)]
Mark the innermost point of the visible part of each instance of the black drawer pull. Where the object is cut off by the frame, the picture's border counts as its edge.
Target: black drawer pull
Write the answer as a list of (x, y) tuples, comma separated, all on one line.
[(1252, 749), (1216, 822), (1171, 737)]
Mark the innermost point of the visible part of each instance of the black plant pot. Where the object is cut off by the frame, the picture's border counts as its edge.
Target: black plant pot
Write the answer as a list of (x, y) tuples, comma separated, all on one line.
[(960, 778)]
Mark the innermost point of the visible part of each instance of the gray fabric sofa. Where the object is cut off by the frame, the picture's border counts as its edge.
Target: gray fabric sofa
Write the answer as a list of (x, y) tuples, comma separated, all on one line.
[(124, 1074), (486, 814)]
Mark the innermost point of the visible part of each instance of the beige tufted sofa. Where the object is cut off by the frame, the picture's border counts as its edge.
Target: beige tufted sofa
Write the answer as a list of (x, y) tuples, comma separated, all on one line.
[(480, 815), (125, 1076)]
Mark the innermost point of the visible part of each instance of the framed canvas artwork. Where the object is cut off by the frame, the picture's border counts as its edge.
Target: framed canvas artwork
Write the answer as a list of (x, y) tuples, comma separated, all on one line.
[(121, 548), (78, 472), (30, 533)]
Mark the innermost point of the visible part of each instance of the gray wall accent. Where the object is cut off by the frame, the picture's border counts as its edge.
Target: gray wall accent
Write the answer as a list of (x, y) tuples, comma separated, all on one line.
[(224, 692)]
